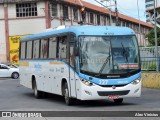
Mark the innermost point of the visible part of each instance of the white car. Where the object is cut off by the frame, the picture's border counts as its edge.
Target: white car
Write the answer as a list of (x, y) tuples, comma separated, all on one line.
[(9, 71)]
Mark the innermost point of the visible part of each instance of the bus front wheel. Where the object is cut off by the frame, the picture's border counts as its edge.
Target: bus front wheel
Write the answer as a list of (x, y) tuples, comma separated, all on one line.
[(37, 93), (118, 101), (68, 100)]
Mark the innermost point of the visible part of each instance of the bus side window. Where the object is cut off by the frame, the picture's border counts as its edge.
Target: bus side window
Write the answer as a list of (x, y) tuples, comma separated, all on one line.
[(63, 47), (52, 47), (29, 50), (44, 48), (23, 50), (36, 46)]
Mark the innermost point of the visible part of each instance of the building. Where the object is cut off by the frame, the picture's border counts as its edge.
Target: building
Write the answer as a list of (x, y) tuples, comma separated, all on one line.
[(150, 11), (23, 17)]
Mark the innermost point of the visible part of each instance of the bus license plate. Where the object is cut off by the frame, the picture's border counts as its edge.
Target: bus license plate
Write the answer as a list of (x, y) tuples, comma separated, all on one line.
[(112, 97)]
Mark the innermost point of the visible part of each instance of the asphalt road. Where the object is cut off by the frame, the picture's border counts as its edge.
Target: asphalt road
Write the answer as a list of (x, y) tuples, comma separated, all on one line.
[(14, 97)]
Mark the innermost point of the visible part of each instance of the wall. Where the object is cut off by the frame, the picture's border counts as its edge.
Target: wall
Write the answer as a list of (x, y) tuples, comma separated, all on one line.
[(2, 36), (2, 42), (26, 26), (1, 11), (20, 26), (151, 80)]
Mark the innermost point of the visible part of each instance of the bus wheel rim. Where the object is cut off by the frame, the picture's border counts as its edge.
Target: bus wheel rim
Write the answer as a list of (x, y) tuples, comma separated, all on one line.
[(66, 95), (35, 91)]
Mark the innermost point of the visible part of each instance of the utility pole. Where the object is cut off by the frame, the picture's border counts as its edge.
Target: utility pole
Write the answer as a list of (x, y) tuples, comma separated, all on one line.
[(110, 12), (155, 34), (139, 23), (116, 11)]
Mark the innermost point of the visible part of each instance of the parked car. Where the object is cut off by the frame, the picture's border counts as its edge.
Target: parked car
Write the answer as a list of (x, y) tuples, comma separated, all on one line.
[(9, 71)]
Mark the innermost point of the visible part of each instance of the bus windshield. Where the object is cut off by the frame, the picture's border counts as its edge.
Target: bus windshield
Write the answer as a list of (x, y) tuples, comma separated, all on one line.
[(101, 55)]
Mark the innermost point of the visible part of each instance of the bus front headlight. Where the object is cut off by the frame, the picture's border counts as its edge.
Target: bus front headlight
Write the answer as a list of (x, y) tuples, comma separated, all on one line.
[(135, 82), (86, 82)]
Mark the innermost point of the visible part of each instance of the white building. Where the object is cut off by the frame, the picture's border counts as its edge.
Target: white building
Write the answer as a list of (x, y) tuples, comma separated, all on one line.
[(24, 17), (150, 11)]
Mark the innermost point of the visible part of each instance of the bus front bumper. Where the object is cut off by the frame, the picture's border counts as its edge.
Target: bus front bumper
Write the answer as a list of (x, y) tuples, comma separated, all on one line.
[(97, 92)]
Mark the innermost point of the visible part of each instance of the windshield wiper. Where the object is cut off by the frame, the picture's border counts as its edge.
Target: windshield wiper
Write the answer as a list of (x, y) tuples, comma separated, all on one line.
[(104, 64)]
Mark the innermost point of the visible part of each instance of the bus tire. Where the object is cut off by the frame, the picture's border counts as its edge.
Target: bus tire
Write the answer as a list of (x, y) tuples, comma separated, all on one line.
[(38, 94), (68, 100), (15, 75), (118, 101)]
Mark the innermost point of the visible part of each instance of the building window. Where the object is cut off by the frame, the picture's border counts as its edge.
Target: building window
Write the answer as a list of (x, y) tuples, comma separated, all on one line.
[(98, 20), (54, 9), (75, 13), (91, 18), (108, 20), (65, 12), (123, 24), (127, 24), (104, 20), (149, 0), (26, 9), (149, 5)]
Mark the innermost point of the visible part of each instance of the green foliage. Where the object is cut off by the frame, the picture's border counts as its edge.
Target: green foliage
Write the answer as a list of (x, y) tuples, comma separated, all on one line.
[(148, 65), (152, 67), (151, 39)]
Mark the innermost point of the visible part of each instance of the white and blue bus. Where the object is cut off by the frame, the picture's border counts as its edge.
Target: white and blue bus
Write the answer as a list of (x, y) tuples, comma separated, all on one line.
[(85, 63)]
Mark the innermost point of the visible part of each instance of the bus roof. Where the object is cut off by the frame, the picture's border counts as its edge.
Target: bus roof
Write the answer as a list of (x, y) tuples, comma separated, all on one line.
[(84, 30)]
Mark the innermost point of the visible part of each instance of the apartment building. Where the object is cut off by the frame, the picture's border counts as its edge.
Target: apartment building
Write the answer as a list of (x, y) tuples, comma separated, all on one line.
[(150, 11), (19, 18)]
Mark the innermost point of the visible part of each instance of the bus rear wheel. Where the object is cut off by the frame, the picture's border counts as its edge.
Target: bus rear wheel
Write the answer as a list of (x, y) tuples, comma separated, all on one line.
[(38, 94), (118, 101), (68, 100)]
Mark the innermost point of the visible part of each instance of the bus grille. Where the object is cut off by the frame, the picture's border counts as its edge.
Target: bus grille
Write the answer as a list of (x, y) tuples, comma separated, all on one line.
[(113, 85), (107, 93)]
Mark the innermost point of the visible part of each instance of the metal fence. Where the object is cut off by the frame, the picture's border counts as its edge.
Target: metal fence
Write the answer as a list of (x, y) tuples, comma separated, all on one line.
[(149, 59)]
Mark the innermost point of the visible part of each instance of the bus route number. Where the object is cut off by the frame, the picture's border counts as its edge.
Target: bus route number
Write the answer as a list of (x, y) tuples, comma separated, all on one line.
[(103, 82)]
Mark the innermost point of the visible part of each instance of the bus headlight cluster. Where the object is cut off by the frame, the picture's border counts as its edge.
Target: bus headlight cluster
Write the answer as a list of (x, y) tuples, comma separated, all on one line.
[(88, 83), (136, 81)]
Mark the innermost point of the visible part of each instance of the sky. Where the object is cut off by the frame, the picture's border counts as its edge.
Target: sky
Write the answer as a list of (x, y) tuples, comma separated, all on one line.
[(127, 7)]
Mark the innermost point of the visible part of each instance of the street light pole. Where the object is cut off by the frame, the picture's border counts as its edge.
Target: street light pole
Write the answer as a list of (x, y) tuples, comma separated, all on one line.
[(139, 23), (155, 34)]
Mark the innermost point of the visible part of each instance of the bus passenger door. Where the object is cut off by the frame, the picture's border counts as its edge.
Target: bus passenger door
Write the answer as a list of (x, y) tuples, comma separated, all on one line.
[(72, 70), (66, 54)]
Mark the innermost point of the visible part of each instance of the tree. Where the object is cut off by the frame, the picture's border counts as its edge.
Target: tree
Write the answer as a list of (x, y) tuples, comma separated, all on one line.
[(151, 37)]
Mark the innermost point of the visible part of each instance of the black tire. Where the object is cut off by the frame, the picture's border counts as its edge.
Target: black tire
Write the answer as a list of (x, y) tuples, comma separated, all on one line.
[(38, 94), (15, 75), (68, 100), (118, 101)]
